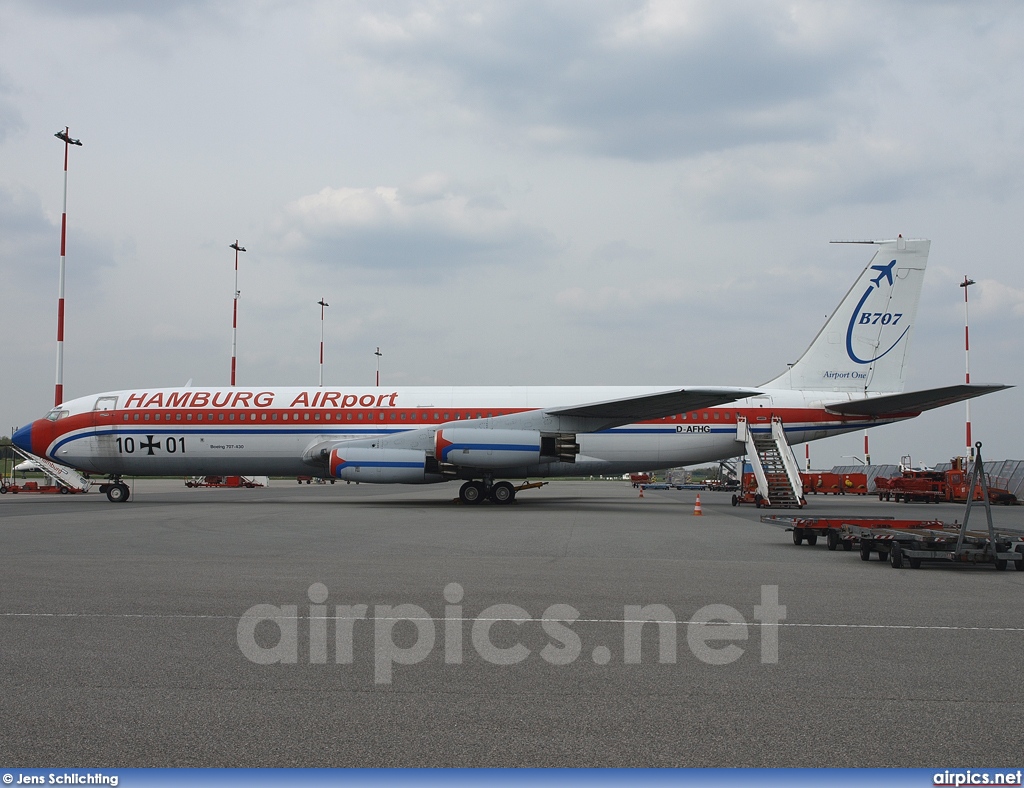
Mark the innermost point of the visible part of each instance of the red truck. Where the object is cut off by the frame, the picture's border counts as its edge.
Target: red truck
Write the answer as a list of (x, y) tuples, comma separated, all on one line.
[(949, 486)]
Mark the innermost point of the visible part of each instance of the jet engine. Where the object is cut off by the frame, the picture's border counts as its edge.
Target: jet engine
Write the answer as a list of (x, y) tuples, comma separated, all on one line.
[(468, 447), (383, 466)]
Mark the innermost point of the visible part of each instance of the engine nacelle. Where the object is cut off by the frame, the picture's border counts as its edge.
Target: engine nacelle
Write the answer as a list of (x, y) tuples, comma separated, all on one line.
[(482, 448), (383, 466)]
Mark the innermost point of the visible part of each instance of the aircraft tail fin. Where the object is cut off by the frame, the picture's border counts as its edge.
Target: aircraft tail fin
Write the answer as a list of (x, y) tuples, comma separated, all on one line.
[(864, 345)]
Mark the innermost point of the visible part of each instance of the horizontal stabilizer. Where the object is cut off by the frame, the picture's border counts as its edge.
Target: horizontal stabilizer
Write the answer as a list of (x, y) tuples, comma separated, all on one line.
[(912, 401), (655, 406)]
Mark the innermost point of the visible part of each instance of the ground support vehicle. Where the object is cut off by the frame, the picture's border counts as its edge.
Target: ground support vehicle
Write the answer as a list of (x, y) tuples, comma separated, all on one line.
[(826, 482), (927, 486), (222, 481), (947, 545), (749, 493), (837, 531), (11, 486)]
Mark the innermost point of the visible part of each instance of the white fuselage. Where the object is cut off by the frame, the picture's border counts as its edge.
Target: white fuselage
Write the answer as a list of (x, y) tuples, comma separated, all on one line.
[(266, 431)]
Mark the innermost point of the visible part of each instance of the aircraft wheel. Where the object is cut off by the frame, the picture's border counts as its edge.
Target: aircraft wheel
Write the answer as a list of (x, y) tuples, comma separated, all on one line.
[(117, 493), (503, 492), (798, 536), (471, 492)]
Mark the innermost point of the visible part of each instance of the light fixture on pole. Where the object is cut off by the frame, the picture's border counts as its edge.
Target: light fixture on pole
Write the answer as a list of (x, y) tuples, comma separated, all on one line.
[(323, 305), (967, 362), (58, 394), (234, 312), (378, 354)]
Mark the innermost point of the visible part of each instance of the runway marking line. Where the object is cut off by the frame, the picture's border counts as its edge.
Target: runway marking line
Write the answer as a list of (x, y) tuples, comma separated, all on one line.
[(790, 624)]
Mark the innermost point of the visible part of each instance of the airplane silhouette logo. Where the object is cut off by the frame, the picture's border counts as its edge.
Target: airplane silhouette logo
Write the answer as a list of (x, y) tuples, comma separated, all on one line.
[(884, 271)]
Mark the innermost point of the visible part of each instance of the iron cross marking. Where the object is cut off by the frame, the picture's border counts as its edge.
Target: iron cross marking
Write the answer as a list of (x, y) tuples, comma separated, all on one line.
[(149, 445)]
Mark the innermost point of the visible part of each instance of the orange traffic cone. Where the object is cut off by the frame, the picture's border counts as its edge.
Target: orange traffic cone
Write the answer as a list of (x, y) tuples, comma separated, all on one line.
[(641, 491), (697, 512)]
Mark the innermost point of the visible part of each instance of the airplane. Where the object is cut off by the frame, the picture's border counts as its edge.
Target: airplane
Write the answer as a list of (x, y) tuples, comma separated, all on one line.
[(851, 377), (886, 272), (28, 466)]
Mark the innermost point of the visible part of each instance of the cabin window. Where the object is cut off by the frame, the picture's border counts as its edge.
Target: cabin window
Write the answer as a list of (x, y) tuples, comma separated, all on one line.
[(188, 417), (231, 417), (146, 417), (380, 415), (403, 417), (126, 417), (716, 415), (349, 416), (157, 417), (305, 416), (317, 416), (263, 416), (392, 415), (220, 417)]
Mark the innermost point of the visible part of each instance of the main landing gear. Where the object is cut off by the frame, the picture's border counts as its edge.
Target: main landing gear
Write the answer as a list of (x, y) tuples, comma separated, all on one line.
[(476, 491), (117, 491)]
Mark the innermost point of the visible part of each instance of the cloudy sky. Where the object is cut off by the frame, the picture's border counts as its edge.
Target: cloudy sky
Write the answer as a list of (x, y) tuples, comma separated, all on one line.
[(507, 192)]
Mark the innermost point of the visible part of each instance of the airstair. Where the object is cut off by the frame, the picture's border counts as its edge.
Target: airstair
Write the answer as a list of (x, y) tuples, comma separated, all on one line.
[(61, 474), (775, 468)]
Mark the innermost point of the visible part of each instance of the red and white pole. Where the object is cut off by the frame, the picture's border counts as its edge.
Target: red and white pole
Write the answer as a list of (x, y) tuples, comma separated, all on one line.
[(58, 394), (323, 303), (967, 362), (807, 456), (234, 312), (378, 354), (867, 452)]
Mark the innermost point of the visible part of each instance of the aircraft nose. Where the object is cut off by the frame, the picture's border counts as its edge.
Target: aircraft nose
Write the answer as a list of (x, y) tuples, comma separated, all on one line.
[(23, 439)]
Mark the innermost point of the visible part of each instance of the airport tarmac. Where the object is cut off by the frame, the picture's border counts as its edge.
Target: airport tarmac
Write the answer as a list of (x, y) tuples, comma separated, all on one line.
[(122, 643)]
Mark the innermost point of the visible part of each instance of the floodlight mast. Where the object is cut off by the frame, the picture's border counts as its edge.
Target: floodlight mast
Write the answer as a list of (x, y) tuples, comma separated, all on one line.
[(967, 362), (234, 312), (58, 393), (323, 305)]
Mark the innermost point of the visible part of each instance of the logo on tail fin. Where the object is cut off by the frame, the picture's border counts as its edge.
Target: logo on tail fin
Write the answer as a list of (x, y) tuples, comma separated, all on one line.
[(882, 320), (886, 272)]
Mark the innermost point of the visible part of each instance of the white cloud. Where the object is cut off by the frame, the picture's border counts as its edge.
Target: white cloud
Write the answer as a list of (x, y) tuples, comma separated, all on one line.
[(431, 221)]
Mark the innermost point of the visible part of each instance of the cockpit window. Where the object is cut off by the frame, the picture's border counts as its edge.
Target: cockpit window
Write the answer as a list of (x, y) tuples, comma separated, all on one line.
[(57, 413)]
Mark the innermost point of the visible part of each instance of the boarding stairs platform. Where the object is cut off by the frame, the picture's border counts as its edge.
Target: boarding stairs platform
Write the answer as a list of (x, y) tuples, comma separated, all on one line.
[(775, 468), (61, 474)]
